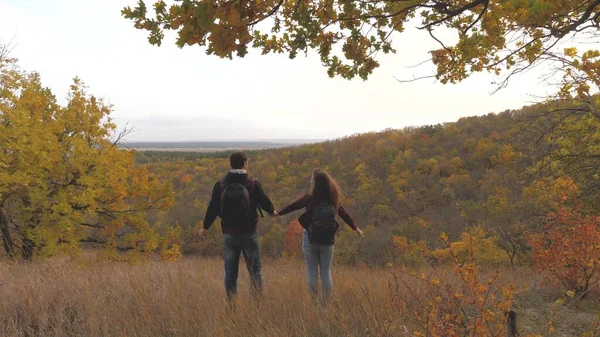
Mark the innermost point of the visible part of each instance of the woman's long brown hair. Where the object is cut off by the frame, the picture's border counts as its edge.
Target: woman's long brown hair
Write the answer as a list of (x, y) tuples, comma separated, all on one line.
[(325, 190)]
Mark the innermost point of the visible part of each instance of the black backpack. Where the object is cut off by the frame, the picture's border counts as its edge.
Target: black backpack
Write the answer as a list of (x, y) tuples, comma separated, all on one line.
[(323, 225), (235, 210)]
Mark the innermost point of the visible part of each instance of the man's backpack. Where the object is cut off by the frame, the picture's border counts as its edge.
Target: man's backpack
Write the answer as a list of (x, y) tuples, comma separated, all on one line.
[(235, 210), (323, 225)]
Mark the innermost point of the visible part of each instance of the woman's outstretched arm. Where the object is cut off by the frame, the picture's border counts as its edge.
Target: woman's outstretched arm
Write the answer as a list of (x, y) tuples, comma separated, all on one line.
[(296, 205), (349, 220)]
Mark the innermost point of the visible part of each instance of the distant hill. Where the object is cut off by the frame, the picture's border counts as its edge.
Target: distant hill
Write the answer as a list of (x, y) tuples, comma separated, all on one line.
[(214, 146), (416, 182)]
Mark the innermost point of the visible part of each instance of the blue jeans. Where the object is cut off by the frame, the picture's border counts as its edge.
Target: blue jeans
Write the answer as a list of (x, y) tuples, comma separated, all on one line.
[(317, 258), (246, 244)]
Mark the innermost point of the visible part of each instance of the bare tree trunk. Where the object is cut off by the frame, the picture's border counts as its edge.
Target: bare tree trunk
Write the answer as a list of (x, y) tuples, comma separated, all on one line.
[(6, 238), (512, 255), (27, 245), (511, 324), (28, 249)]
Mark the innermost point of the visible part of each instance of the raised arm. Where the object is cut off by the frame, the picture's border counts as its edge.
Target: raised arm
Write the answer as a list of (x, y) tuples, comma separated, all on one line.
[(349, 220), (296, 205)]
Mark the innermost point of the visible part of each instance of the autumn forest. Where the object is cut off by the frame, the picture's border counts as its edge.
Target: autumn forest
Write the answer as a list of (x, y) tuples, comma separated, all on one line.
[(515, 189), (485, 226), (497, 175)]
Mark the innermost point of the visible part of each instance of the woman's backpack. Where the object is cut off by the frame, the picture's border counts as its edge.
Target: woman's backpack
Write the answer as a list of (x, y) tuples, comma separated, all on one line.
[(323, 225)]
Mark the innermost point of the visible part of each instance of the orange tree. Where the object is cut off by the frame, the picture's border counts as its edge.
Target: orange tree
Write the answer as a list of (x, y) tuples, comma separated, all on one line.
[(568, 250), (293, 239)]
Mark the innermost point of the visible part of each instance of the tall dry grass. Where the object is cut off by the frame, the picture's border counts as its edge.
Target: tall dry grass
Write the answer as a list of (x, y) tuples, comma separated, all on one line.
[(186, 298)]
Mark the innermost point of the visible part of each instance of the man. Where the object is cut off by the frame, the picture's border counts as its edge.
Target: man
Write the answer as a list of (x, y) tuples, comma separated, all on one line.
[(237, 199)]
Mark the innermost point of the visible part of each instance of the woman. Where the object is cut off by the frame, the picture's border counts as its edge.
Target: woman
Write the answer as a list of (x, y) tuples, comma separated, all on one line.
[(323, 191)]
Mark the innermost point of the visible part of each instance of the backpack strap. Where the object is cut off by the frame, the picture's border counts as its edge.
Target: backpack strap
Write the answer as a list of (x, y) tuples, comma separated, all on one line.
[(222, 185), (250, 183)]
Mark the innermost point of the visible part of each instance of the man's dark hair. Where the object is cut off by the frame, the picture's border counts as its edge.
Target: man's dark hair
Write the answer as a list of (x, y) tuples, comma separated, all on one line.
[(238, 159)]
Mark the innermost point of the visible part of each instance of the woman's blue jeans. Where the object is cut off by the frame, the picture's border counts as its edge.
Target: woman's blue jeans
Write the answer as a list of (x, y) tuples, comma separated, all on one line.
[(318, 259)]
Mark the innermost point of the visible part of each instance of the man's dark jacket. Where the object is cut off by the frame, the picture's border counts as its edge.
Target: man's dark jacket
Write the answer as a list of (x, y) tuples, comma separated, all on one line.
[(258, 197)]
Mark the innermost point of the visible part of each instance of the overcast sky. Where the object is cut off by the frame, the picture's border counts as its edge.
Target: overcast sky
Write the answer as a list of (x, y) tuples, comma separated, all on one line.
[(172, 94)]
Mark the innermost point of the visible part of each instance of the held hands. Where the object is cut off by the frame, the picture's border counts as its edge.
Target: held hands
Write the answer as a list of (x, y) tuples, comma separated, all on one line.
[(201, 233), (360, 232)]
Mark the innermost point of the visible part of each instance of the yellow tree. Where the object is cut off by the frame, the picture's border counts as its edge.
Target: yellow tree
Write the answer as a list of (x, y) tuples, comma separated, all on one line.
[(63, 180)]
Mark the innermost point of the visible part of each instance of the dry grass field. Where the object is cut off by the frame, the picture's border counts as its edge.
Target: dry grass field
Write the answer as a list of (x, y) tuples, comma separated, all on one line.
[(186, 298)]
